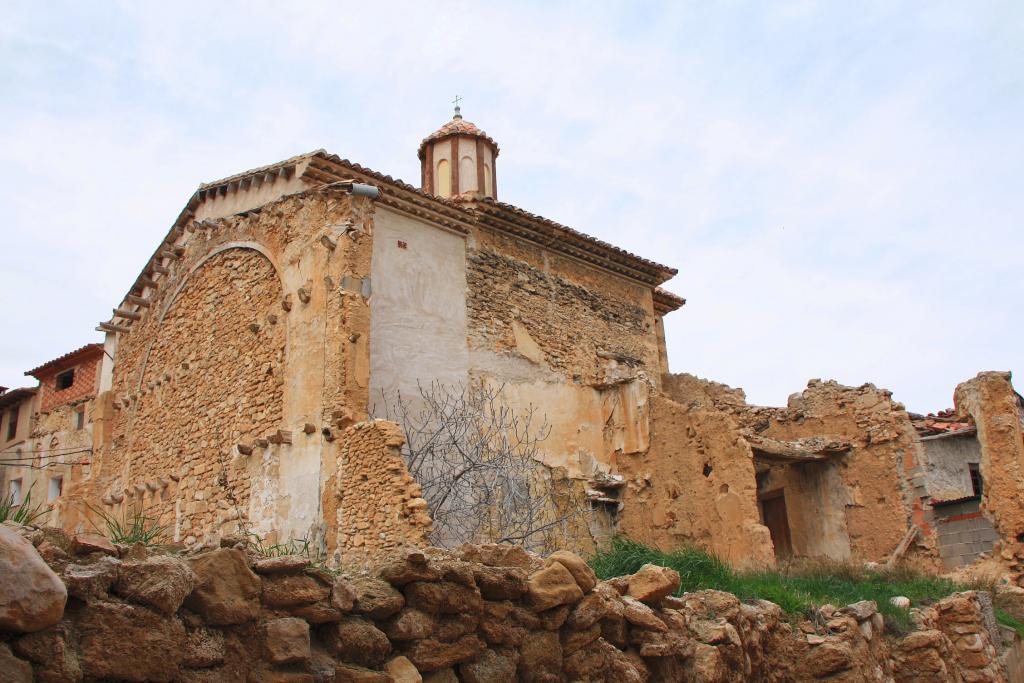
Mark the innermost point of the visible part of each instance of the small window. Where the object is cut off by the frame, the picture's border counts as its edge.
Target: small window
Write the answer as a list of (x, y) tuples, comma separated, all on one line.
[(12, 423), (65, 379), (443, 179), (977, 484), (15, 492), (80, 417), (54, 489)]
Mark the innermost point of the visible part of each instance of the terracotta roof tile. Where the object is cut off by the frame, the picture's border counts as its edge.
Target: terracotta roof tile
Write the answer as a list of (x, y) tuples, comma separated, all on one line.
[(67, 358), (457, 126), (15, 396)]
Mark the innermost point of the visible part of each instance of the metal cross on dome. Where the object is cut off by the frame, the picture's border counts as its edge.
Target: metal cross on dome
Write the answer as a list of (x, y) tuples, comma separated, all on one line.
[(458, 109)]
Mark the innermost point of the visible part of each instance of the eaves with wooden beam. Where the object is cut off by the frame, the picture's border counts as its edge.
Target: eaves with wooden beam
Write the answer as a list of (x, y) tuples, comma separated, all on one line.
[(811, 449)]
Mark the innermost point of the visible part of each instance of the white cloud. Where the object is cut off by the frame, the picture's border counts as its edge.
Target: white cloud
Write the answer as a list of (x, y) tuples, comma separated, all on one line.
[(838, 186)]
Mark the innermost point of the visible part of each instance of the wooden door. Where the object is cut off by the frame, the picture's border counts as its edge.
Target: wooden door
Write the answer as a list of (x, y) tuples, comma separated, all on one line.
[(773, 514)]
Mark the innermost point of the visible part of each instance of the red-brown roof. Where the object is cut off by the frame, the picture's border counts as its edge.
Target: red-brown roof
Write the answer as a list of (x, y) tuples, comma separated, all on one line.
[(457, 126), (666, 302), (15, 396), (67, 359)]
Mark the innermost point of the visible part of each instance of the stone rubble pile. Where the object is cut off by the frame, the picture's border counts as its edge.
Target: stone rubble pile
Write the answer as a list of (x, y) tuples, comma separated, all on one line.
[(86, 610)]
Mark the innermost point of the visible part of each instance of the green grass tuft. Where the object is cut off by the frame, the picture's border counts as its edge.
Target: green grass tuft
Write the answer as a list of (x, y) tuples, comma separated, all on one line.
[(24, 512), (798, 589), (129, 529)]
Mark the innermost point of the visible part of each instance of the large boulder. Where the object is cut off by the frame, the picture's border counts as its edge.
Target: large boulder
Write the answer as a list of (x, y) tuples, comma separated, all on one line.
[(226, 591), (443, 597), (402, 670), (375, 598), (357, 641), (585, 577), (430, 654), (127, 643), (291, 590), (32, 597), (161, 582), (553, 586), (653, 583), (286, 641), (87, 544), (490, 667), (89, 582)]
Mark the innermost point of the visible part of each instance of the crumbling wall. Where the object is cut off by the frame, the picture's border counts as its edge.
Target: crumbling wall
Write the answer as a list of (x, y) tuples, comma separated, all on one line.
[(990, 401), (866, 484), (483, 613), (552, 320), (249, 352), (695, 485), (379, 505), (565, 338)]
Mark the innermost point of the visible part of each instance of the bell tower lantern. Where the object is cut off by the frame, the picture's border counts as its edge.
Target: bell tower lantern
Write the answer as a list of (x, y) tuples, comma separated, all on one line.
[(459, 159)]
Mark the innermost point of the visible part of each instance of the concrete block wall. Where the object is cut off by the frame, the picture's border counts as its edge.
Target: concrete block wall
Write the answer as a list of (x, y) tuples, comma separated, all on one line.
[(963, 533)]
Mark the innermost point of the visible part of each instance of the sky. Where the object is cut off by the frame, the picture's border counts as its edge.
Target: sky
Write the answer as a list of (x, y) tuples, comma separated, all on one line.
[(841, 185)]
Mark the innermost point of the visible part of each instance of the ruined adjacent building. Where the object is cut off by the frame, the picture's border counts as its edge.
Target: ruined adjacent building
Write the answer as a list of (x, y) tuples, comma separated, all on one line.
[(242, 375)]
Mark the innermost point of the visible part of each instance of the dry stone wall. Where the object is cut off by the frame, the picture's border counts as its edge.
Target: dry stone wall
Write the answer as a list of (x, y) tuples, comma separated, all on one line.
[(490, 614)]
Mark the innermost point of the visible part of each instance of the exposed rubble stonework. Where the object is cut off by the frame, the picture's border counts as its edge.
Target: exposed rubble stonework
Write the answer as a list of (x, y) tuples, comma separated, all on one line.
[(479, 614)]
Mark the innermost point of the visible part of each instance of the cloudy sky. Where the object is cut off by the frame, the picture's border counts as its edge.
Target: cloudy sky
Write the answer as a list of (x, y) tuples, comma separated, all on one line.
[(841, 185)]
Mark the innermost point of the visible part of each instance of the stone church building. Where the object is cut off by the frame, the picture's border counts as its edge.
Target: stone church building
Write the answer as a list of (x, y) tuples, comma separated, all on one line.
[(244, 368)]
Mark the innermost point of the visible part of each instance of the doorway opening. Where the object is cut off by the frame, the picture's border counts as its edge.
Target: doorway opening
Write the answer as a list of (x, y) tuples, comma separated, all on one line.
[(775, 517)]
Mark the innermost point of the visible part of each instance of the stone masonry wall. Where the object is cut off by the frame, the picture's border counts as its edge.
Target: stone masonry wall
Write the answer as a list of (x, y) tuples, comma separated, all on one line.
[(568, 322), (217, 366), (483, 614), (875, 502), (250, 357), (379, 505)]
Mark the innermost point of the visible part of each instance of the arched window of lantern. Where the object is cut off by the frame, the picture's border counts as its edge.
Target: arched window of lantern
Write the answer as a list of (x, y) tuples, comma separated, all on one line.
[(488, 183), (467, 174), (443, 179)]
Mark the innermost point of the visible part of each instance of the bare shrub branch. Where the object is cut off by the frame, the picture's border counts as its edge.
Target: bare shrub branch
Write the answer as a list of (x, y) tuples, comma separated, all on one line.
[(479, 464)]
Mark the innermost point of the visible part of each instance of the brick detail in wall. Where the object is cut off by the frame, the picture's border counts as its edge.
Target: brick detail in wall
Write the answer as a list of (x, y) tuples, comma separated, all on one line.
[(84, 386)]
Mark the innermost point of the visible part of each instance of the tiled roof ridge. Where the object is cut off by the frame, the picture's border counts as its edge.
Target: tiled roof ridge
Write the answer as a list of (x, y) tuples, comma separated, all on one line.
[(457, 126), (572, 231), (469, 205), (262, 169), (13, 396), (459, 210), (82, 350)]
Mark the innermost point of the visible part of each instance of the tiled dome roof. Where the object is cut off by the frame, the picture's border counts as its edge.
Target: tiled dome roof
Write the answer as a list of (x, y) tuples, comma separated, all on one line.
[(457, 126)]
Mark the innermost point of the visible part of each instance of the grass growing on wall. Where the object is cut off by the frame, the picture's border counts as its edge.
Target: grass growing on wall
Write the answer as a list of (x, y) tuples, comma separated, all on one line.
[(798, 589)]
